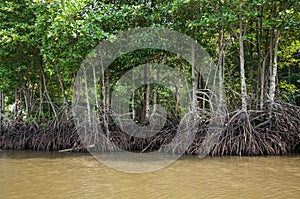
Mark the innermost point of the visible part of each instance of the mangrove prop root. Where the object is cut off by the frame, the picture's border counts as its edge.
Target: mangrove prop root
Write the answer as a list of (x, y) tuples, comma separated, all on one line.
[(253, 133)]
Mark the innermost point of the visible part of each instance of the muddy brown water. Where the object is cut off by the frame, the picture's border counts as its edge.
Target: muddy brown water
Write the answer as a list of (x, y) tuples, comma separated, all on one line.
[(27, 174)]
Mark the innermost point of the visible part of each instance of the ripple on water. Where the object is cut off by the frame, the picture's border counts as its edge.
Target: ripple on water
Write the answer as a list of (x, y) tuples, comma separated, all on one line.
[(52, 175)]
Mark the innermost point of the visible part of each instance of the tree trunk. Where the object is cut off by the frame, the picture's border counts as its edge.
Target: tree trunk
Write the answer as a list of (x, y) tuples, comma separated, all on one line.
[(194, 83), (274, 70), (41, 94), (103, 86), (147, 102), (87, 97), (1, 107), (26, 99), (155, 94), (242, 62), (258, 48), (133, 95), (262, 82), (252, 82), (142, 110), (95, 87), (177, 90), (271, 44), (107, 90), (46, 90), (220, 64), (271, 53), (16, 104), (105, 81), (61, 85)]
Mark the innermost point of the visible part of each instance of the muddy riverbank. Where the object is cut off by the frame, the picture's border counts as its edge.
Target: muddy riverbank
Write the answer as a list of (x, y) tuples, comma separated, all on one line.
[(255, 134)]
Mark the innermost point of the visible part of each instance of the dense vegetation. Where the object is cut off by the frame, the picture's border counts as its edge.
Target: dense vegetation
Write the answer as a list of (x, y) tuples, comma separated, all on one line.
[(254, 43)]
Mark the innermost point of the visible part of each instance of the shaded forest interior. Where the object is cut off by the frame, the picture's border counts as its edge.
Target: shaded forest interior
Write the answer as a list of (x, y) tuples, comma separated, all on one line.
[(254, 49)]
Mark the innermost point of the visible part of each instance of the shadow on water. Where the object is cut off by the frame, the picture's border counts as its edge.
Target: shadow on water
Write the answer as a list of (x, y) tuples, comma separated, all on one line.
[(26, 154)]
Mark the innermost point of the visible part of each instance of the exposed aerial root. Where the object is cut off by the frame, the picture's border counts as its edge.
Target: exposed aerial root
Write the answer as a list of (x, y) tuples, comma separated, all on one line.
[(254, 133)]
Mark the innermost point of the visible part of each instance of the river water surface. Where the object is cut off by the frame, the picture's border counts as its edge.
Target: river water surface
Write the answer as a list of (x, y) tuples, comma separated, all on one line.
[(26, 174)]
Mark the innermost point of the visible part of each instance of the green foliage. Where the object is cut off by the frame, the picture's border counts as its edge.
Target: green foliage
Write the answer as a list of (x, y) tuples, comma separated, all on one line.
[(52, 38)]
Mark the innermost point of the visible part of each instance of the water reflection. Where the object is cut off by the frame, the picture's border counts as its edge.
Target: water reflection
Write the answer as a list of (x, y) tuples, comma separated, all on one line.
[(68, 175)]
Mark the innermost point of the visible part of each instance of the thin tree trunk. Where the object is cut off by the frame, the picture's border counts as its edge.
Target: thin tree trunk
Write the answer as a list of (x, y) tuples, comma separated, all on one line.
[(103, 86), (61, 86), (147, 78), (104, 102), (194, 83), (133, 95), (26, 99), (155, 94), (16, 104), (46, 90), (271, 53), (220, 64), (177, 90), (2, 101), (258, 48), (253, 93), (1, 107), (221, 60), (32, 100), (242, 62), (87, 97), (107, 90), (262, 82), (95, 130), (142, 100), (41, 94), (271, 44), (274, 70), (107, 102), (95, 87)]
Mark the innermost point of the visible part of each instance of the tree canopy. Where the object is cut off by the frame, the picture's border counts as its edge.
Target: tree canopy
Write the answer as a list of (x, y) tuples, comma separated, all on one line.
[(43, 44)]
